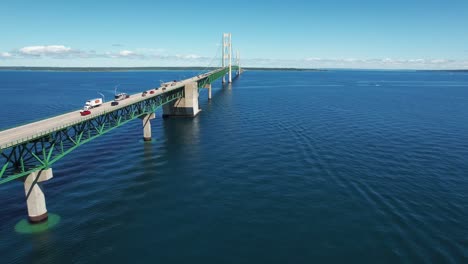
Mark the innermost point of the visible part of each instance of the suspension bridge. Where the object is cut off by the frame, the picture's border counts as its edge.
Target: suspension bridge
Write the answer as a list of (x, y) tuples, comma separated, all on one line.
[(28, 152)]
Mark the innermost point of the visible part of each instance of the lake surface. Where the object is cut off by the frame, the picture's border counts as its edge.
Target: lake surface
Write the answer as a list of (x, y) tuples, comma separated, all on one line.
[(281, 167)]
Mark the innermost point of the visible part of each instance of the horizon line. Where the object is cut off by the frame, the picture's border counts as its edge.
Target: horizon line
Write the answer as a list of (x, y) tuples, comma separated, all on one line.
[(114, 68)]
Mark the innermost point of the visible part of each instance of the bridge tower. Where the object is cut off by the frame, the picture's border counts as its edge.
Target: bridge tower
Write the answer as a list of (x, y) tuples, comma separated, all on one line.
[(227, 54), (238, 63)]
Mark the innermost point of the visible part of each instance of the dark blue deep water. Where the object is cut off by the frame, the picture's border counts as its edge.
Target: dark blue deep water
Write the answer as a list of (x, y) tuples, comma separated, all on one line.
[(282, 167)]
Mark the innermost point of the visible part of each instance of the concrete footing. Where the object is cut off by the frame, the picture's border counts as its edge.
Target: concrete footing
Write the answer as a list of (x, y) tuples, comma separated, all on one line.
[(35, 199), (147, 126), (185, 107)]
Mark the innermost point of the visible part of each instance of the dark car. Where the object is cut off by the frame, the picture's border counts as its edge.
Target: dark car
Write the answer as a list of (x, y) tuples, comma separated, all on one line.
[(144, 93), (86, 112), (115, 103)]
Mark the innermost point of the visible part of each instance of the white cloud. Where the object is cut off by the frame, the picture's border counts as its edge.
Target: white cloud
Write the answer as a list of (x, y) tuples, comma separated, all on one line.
[(147, 56), (5, 55), (439, 61), (189, 56), (116, 55), (313, 59), (127, 53), (356, 63), (46, 50), (151, 50)]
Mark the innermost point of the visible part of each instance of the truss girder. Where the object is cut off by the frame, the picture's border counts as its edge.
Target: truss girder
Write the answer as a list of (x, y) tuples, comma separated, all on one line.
[(214, 76), (39, 153)]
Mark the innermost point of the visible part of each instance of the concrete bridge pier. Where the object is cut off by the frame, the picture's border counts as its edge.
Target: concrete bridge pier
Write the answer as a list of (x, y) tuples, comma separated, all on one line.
[(147, 126), (208, 86), (35, 199), (186, 106)]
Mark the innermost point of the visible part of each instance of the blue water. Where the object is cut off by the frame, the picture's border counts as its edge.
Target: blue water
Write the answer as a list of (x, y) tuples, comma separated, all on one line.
[(282, 167)]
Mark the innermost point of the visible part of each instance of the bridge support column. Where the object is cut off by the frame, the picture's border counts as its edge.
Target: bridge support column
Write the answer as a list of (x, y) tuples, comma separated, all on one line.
[(208, 86), (35, 199), (147, 126), (187, 106)]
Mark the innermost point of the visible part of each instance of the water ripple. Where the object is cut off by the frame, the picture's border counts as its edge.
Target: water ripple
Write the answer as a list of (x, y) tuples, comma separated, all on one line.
[(282, 167)]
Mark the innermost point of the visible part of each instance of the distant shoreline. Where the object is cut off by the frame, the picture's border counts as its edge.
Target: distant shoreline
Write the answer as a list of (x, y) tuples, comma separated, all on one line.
[(117, 69), (123, 69)]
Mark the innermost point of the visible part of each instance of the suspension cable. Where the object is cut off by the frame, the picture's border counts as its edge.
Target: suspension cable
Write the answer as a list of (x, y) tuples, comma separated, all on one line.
[(212, 60)]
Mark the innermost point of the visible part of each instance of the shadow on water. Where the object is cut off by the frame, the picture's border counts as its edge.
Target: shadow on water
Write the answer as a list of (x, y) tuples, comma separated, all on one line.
[(219, 91), (181, 134), (43, 245), (144, 170)]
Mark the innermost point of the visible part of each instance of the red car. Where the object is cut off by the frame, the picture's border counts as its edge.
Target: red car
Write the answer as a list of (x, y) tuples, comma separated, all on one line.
[(152, 92), (86, 112)]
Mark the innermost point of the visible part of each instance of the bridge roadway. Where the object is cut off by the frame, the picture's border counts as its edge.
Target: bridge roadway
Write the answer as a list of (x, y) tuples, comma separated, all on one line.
[(32, 130)]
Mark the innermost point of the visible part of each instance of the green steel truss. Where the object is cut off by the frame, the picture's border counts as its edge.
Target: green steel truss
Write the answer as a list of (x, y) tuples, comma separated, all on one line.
[(41, 152), (215, 75), (19, 159)]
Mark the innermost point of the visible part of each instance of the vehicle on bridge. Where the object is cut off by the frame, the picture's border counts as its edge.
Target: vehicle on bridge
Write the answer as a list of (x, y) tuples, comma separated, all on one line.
[(92, 103), (84, 113), (164, 86), (121, 96)]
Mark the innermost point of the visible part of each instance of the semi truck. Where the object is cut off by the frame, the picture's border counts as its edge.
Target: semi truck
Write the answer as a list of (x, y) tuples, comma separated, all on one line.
[(92, 103)]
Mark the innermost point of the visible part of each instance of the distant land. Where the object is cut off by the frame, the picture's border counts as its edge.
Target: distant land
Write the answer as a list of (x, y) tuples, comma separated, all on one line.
[(117, 69), (112, 69), (462, 70)]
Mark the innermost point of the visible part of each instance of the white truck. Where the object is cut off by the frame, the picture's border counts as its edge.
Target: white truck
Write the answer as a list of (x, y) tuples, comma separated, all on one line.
[(92, 103)]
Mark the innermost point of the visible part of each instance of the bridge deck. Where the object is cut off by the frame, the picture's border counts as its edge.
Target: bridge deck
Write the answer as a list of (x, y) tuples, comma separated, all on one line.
[(32, 130)]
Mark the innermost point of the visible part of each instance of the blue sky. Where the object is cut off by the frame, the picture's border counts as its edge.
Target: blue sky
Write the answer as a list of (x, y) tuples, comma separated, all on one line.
[(396, 34)]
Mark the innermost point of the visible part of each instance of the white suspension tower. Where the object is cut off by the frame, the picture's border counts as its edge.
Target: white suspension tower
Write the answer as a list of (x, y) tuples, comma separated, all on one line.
[(227, 54), (238, 63)]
